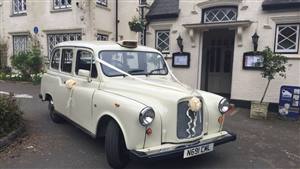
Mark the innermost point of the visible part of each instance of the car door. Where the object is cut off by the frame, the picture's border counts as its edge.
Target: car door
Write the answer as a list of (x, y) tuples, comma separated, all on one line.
[(61, 94), (82, 97)]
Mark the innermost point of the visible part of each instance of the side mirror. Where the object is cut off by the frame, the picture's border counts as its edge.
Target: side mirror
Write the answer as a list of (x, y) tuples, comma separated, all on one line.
[(84, 73)]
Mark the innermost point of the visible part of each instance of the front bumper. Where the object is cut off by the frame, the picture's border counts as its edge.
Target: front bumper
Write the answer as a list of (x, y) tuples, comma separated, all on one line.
[(177, 149)]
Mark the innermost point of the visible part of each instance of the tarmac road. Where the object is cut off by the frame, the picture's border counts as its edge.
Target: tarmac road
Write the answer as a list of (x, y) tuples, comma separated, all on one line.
[(271, 143)]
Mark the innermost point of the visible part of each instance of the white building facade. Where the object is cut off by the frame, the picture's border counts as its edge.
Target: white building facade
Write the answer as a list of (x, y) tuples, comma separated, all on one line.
[(54, 21), (217, 34)]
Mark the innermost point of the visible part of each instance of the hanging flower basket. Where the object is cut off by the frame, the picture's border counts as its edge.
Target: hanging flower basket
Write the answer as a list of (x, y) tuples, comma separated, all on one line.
[(136, 25)]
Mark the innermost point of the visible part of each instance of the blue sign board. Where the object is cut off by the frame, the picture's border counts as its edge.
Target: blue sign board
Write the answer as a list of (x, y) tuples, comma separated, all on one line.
[(36, 30), (289, 102)]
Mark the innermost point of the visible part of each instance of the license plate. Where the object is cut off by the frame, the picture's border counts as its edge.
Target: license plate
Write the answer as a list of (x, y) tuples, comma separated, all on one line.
[(191, 152)]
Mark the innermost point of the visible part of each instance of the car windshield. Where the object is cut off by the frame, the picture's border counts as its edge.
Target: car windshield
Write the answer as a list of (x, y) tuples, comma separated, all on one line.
[(133, 62)]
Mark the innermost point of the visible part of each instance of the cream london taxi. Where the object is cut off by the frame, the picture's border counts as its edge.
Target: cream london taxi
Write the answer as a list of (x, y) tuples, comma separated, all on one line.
[(127, 94)]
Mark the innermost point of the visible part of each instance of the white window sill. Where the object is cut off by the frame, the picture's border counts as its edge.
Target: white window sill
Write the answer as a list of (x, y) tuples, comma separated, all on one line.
[(165, 52), (103, 7), (18, 14), (61, 10)]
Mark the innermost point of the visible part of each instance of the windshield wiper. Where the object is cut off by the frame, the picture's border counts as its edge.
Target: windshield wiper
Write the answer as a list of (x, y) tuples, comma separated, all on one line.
[(155, 70), (135, 71)]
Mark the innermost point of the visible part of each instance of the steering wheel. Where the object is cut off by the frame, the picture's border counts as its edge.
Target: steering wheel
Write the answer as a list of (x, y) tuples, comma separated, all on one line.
[(119, 65)]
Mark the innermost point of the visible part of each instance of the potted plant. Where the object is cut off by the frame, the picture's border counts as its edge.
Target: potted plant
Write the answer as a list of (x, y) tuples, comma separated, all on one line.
[(273, 65), (136, 25)]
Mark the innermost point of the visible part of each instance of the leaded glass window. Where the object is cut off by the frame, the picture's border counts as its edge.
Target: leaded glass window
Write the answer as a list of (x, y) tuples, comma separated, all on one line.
[(102, 37), (163, 40), (20, 43), (62, 4), (19, 6), (54, 39), (287, 38), (102, 2), (220, 14)]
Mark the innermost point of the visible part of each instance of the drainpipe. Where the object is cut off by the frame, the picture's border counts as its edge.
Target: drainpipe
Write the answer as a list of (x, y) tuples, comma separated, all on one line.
[(117, 20), (145, 33), (144, 2)]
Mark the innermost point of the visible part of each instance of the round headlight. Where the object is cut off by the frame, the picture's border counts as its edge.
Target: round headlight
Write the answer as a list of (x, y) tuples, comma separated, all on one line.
[(224, 105), (147, 116)]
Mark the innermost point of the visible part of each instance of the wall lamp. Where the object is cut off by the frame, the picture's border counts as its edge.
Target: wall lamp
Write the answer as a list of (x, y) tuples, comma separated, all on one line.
[(255, 38), (180, 43)]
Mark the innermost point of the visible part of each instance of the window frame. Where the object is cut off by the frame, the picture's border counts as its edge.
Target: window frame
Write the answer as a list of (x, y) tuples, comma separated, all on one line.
[(218, 7), (92, 58), (102, 35), (60, 64), (13, 42), (51, 58), (61, 7), (98, 2), (156, 40), (103, 72), (297, 39), (19, 12), (61, 34)]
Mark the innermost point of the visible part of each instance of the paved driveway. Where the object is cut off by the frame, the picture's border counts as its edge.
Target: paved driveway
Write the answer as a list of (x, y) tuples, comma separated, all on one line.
[(261, 143)]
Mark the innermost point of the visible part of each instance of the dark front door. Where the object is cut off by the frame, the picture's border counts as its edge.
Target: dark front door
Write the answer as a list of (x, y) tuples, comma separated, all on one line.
[(217, 59)]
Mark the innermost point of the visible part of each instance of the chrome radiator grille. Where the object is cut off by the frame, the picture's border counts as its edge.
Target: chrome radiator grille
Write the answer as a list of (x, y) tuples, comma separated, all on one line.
[(189, 123)]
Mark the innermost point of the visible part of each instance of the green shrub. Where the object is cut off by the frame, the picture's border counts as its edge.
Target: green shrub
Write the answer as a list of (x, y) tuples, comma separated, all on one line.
[(10, 115), (28, 63)]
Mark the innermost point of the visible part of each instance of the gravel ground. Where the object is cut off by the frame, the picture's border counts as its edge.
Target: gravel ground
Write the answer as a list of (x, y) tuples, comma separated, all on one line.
[(271, 143)]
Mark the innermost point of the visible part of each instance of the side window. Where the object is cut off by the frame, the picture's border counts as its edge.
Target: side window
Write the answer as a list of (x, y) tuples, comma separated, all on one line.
[(66, 60), (55, 59), (85, 61)]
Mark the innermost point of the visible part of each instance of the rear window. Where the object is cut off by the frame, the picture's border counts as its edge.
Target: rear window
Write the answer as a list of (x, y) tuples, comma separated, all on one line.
[(55, 59)]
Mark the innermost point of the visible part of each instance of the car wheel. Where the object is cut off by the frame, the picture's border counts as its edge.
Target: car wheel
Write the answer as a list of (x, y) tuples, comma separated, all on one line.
[(115, 148), (53, 115)]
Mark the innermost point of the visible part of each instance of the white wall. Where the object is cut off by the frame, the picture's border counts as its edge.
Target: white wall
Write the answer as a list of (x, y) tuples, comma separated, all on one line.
[(87, 18), (246, 84)]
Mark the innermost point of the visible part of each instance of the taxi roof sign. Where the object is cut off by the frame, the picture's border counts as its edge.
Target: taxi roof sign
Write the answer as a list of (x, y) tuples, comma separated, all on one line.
[(128, 43)]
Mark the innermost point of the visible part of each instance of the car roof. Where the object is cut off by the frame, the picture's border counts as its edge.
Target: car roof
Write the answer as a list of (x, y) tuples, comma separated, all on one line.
[(103, 45)]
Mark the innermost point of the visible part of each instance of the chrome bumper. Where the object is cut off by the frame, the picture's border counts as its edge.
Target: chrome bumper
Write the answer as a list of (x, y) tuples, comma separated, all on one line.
[(177, 149)]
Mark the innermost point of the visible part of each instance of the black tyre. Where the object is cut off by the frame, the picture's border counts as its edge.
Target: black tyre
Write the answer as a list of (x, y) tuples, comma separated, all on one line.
[(53, 115), (116, 153)]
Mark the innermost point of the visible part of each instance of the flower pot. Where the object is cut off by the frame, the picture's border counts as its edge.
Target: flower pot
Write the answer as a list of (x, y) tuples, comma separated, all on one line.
[(136, 28), (259, 110)]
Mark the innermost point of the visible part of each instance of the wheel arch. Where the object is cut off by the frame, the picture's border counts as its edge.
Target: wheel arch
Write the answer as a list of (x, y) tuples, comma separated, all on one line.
[(102, 126)]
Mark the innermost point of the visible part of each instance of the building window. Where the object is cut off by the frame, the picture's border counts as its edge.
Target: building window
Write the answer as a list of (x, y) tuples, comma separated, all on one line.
[(19, 6), (162, 40), (102, 2), (287, 38), (20, 43), (102, 37), (54, 39), (219, 14), (62, 4)]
